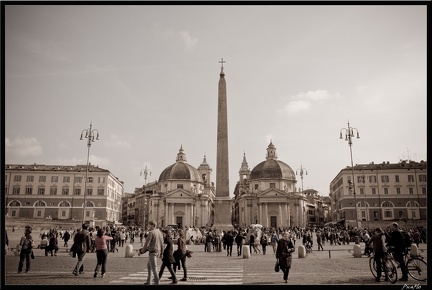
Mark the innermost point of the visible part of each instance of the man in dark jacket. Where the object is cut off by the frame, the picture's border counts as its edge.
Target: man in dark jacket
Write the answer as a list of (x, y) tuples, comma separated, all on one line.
[(83, 242), (229, 240), (239, 241), (396, 244)]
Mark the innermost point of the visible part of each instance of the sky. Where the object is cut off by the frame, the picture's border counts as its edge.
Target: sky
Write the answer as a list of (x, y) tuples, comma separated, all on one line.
[(146, 78)]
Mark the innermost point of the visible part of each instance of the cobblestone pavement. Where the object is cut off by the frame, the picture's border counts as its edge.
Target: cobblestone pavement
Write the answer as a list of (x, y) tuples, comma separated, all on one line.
[(204, 268)]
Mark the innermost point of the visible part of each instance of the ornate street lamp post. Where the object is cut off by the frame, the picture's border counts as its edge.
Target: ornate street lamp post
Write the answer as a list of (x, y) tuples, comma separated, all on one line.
[(349, 133), (90, 136), (145, 172), (301, 171)]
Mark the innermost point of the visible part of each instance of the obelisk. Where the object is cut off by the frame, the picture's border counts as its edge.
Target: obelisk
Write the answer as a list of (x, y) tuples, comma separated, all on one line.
[(222, 202)]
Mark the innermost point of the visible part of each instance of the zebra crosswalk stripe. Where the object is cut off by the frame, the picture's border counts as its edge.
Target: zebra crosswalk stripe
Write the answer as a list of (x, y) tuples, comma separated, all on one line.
[(201, 276)]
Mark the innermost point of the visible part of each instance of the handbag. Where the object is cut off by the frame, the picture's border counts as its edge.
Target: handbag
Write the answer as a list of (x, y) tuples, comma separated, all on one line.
[(189, 254), (277, 266)]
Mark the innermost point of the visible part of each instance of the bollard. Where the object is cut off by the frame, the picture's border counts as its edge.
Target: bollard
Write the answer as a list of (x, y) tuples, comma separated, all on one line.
[(246, 253), (301, 251), (129, 251), (357, 251)]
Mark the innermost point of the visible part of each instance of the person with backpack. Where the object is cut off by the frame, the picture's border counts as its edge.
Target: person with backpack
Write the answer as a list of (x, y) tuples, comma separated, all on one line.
[(26, 251), (397, 246)]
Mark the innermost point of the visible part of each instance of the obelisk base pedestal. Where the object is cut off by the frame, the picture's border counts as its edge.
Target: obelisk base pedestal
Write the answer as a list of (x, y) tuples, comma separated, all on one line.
[(222, 214)]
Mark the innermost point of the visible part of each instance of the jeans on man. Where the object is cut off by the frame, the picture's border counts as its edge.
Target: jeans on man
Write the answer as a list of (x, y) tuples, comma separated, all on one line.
[(152, 268)]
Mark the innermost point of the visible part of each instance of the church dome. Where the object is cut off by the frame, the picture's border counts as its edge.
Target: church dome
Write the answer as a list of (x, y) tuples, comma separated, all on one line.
[(180, 170), (272, 168)]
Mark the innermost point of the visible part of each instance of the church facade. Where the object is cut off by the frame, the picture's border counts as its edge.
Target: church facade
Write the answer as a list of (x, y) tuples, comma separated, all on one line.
[(267, 195)]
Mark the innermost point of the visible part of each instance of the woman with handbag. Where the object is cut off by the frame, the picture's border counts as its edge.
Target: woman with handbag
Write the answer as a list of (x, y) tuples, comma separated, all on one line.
[(284, 249), (180, 254)]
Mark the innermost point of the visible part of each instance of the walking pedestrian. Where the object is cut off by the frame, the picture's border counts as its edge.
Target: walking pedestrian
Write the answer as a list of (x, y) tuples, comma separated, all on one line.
[(274, 239), (154, 245), (378, 246), (168, 258), (264, 242), (101, 252), (82, 245), (66, 237), (26, 251), (283, 254), (239, 239), (180, 254), (229, 240), (319, 241)]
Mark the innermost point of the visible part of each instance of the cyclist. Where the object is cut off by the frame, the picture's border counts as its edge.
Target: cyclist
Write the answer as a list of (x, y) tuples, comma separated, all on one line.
[(396, 245), (379, 248)]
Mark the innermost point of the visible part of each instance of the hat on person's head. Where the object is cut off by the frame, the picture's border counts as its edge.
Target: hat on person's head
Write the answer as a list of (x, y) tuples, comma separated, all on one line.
[(395, 225)]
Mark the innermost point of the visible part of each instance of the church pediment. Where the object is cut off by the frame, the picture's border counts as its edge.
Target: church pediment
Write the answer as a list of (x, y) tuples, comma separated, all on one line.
[(272, 192), (179, 193)]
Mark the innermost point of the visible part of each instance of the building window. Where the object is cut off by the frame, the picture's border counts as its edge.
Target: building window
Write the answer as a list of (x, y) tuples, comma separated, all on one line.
[(77, 191), (78, 179), (41, 190), (54, 178), (16, 190), (179, 186), (388, 214), (100, 191), (372, 178), (398, 190), (423, 190), (375, 215), (411, 190), (422, 178), (410, 178), (30, 178), (396, 178), (17, 178), (53, 191), (65, 191), (373, 190), (360, 179), (42, 178), (272, 185), (361, 190), (385, 190), (89, 191), (101, 179), (90, 179), (29, 190), (66, 179), (384, 178)]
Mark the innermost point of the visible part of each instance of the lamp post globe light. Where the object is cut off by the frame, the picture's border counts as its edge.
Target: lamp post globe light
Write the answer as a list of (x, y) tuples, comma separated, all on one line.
[(349, 133), (145, 172), (90, 136)]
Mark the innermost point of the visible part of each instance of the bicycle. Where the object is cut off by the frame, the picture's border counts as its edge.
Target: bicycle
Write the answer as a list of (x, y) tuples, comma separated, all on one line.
[(388, 267), (416, 266)]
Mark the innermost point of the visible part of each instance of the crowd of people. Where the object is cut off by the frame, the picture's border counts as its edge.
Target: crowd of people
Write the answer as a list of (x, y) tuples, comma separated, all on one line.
[(159, 243)]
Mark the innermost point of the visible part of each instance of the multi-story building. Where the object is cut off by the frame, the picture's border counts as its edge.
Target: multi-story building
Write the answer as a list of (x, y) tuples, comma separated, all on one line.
[(57, 192), (375, 194)]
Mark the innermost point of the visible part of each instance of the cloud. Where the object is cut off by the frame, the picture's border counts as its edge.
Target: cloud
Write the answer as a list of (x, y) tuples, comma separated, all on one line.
[(189, 41), (23, 147), (304, 101), (115, 141)]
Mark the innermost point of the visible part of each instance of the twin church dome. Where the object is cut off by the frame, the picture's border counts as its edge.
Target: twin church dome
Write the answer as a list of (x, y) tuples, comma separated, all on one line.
[(268, 169)]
